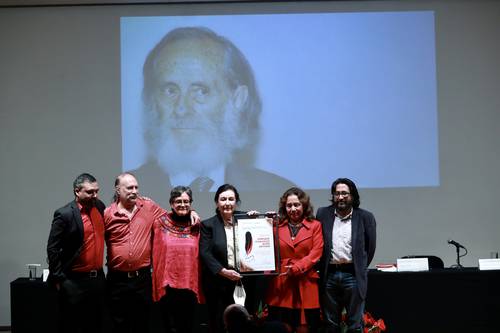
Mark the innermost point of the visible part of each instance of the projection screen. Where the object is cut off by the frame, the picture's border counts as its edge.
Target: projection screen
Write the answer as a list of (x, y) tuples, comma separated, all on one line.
[(356, 91)]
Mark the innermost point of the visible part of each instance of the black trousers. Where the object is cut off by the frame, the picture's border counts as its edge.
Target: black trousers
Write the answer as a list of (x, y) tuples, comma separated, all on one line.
[(81, 303), (178, 309), (130, 301)]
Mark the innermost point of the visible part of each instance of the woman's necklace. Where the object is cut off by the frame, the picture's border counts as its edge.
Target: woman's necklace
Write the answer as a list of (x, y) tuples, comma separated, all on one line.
[(294, 229)]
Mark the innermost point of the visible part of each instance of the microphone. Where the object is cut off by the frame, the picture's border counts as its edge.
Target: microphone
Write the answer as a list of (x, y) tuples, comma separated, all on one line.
[(452, 242)]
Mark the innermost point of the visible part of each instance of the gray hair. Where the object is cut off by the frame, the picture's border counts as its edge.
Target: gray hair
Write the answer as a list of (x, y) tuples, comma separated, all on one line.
[(118, 179), (237, 72)]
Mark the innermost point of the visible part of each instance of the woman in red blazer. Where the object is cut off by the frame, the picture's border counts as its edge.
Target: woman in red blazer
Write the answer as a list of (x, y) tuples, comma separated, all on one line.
[(293, 294)]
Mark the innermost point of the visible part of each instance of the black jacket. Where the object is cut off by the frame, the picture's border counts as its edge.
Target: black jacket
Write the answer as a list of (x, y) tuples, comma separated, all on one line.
[(65, 240), (363, 243)]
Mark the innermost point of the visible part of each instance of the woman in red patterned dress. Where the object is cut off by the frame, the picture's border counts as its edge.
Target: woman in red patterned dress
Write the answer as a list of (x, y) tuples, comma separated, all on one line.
[(176, 282)]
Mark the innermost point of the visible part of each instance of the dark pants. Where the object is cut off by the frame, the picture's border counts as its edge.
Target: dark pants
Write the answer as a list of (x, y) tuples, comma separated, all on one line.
[(218, 297), (178, 309), (291, 317), (130, 300), (81, 303), (341, 292)]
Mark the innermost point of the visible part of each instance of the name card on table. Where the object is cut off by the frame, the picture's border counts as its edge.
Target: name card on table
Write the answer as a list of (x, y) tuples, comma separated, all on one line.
[(413, 265), (489, 264)]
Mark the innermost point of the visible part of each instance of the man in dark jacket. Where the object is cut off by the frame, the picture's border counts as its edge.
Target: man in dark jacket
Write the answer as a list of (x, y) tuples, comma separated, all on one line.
[(349, 245), (75, 251)]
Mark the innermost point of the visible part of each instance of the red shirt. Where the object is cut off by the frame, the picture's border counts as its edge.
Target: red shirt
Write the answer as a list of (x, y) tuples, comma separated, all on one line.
[(175, 257), (92, 251), (128, 241)]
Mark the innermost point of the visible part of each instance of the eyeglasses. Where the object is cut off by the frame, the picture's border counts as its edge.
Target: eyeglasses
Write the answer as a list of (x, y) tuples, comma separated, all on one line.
[(341, 194), (180, 202)]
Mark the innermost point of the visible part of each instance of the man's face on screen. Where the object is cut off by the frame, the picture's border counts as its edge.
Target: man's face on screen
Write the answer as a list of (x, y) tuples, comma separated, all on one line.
[(193, 106)]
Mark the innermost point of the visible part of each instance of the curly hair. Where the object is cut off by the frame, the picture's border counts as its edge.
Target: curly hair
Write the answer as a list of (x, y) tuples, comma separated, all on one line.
[(304, 200)]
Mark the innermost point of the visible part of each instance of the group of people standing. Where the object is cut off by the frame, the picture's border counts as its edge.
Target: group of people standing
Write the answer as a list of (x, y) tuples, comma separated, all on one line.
[(172, 258)]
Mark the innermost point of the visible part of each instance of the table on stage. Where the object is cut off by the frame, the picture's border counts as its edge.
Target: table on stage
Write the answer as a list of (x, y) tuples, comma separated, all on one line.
[(34, 308), (437, 301)]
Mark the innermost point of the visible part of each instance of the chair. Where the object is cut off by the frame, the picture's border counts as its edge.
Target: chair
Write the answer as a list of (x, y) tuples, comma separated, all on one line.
[(434, 261)]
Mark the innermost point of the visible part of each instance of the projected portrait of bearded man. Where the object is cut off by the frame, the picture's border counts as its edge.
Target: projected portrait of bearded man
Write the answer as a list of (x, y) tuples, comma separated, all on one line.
[(201, 116)]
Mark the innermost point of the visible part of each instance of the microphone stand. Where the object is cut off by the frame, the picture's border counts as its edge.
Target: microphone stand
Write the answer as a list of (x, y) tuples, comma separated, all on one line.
[(458, 265)]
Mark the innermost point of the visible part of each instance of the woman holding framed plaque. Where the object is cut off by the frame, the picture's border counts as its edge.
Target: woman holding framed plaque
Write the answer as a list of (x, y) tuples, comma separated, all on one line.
[(219, 270), (293, 294)]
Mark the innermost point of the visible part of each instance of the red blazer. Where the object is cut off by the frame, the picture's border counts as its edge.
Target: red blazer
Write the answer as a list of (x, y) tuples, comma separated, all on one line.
[(299, 289)]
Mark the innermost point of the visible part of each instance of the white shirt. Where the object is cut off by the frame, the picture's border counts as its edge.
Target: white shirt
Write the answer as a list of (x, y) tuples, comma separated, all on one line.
[(228, 228), (342, 240)]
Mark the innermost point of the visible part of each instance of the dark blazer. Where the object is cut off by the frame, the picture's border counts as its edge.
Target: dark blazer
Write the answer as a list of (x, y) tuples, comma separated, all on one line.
[(363, 228), (218, 289), (213, 255), (65, 239), (213, 245)]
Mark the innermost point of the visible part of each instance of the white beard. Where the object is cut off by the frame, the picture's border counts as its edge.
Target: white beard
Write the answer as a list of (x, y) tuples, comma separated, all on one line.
[(199, 151)]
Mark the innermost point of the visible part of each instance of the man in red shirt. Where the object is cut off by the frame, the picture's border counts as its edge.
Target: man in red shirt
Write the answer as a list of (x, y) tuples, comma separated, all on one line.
[(75, 251), (128, 229)]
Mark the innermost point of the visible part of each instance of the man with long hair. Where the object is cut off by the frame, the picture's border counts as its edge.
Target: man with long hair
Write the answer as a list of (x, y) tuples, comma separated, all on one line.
[(349, 245)]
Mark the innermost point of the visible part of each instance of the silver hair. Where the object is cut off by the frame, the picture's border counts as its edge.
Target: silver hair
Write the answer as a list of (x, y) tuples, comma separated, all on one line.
[(237, 72)]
